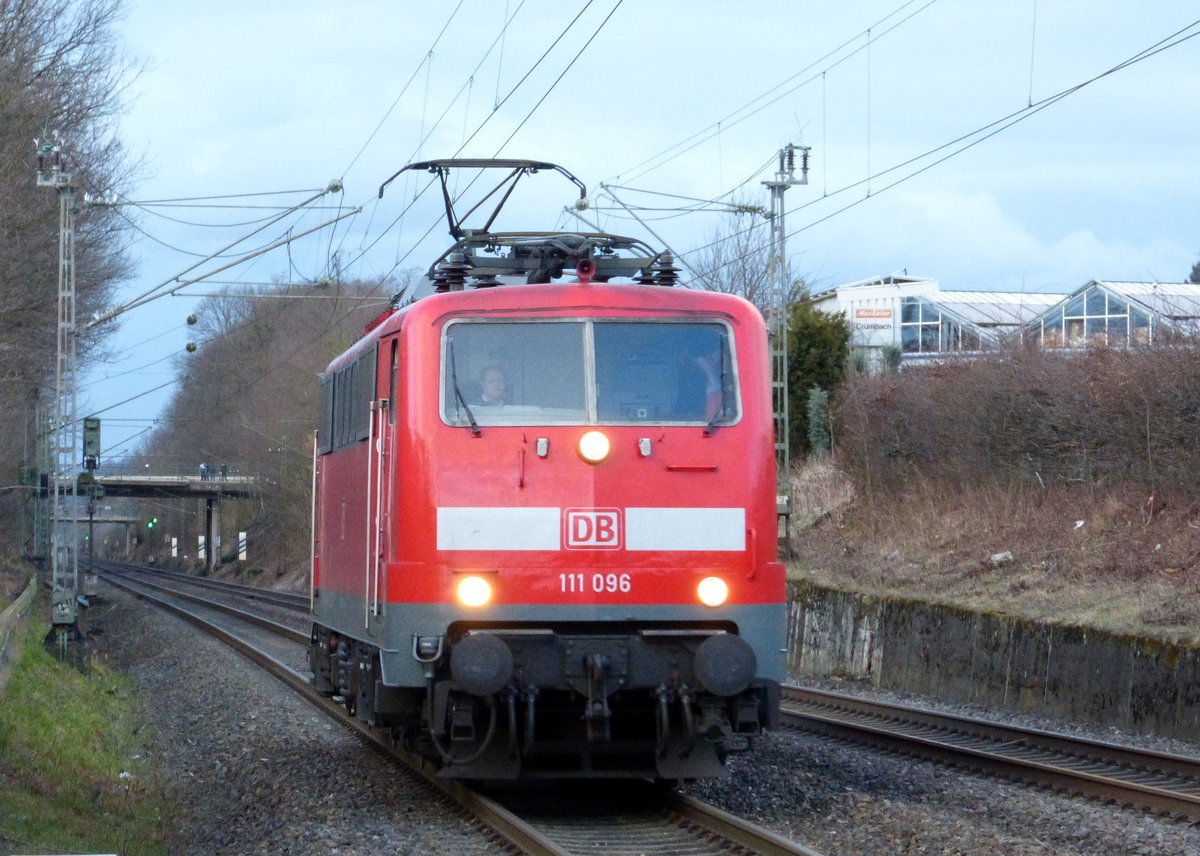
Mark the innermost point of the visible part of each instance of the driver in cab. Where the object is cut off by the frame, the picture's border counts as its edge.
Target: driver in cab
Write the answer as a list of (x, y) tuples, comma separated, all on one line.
[(493, 387)]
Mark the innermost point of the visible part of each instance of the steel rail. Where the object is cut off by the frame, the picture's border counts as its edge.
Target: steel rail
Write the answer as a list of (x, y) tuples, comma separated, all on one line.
[(720, 829), (488, 811), (287, 600), (291, 633), (1155, 781), (748, 835)]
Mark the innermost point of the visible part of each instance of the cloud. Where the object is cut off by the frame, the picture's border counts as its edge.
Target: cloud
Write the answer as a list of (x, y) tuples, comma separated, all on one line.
[(967, 240)]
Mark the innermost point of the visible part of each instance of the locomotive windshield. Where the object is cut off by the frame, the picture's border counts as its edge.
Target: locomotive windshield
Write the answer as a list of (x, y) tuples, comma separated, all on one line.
[(588, 372)]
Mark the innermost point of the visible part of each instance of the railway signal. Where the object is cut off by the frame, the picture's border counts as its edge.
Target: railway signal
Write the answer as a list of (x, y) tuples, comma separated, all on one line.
[(91, 443)]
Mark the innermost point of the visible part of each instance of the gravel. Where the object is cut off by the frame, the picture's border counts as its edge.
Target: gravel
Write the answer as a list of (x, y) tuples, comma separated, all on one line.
[(255, 770), (842, 799)]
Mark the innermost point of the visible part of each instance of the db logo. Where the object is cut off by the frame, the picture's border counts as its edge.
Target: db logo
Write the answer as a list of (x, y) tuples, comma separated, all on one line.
[(592, 528)]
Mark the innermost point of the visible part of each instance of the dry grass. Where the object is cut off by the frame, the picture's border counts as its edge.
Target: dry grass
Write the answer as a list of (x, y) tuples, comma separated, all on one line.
[(818, 489), (14, 577), (1108, 559)]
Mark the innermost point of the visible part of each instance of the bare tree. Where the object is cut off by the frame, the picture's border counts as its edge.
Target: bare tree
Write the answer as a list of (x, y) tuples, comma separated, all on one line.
[(59, 74), (737, 258), (248, 399)]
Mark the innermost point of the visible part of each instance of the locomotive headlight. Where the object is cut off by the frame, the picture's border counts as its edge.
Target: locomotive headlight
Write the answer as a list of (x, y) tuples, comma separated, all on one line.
[(712, 591), (474, 591), (593, 447)]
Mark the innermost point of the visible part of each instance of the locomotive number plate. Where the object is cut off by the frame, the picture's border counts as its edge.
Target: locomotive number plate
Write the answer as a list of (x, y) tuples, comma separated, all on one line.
[(578, 583)]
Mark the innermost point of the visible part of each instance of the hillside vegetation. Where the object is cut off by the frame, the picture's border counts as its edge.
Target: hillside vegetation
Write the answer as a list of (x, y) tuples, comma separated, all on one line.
[(62, 83), (247, 402), (1052, 486)]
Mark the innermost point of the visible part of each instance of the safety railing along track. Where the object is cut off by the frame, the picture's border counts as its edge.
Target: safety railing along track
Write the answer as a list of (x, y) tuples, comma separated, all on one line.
[(11, 613)]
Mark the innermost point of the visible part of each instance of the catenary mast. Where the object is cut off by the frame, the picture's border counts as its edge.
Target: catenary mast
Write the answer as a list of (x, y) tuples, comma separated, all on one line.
[(62, 429), (777, 322)]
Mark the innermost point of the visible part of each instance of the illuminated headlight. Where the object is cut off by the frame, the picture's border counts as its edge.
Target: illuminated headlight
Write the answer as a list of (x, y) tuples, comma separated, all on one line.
[(593, 447), (474, 591), (712, 591)]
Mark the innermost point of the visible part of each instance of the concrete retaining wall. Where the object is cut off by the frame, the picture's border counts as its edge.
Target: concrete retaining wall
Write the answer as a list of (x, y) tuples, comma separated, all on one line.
[(1072, 673)]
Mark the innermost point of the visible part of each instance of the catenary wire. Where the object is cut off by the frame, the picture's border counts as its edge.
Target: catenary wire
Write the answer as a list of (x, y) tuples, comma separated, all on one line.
[(404, 89), (561, 75), (364, 250), (159, 290), (972, 138), (725, 122), (426, 134), (1001, 124), (540, 101)]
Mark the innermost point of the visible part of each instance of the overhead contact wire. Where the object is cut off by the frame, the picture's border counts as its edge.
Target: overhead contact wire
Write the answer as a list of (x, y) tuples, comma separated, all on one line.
[(475, 133), (408, 83), (992, 128), (725, 122)]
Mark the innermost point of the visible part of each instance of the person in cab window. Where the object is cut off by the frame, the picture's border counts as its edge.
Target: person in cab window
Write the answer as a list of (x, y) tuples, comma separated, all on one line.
[(493, 387), (700, 391)]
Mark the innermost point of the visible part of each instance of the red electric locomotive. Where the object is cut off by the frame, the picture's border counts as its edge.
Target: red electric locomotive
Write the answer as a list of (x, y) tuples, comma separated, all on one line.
[(544, 515)]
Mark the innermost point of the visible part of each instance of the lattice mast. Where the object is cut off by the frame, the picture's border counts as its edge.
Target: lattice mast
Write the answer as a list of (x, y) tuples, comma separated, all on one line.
[(62, 428), (777, 319)]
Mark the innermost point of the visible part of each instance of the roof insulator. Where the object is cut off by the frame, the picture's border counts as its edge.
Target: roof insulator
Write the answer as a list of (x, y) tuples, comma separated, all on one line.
[(487, 280), (454, 270), (665, 272)]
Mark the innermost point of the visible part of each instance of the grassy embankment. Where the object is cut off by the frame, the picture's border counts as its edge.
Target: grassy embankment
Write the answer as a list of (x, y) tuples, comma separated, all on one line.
[(1098, 558), (1057, 487), (72, 774)]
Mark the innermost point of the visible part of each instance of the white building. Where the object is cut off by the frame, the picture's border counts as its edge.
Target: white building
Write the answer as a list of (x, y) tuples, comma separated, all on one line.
[(1119, 314), (912, 316)]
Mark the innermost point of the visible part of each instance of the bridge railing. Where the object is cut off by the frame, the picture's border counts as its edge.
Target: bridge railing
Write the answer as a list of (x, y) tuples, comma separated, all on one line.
[(215, 472)]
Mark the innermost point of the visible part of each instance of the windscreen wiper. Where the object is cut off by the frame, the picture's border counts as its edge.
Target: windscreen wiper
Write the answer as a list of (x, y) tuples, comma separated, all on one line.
[(458, 392), (712, 423)]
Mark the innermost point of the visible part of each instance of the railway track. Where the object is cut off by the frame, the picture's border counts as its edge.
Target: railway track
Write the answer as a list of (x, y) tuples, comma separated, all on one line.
[(1125, 776), (286, 600), (592, 819)]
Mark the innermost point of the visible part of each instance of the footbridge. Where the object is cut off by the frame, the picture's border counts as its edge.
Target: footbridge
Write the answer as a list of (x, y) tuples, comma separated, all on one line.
[(175, 486), (210, 485)]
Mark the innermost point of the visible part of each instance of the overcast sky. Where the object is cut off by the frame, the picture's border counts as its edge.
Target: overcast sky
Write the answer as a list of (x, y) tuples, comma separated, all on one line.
[(664, 104)]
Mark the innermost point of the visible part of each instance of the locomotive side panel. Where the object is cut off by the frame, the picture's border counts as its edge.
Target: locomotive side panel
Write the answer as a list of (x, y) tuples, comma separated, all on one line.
[(343, 432)]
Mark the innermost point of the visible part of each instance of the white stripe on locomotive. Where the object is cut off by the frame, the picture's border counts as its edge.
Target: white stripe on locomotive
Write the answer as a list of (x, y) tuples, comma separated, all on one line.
[(646, 529)]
